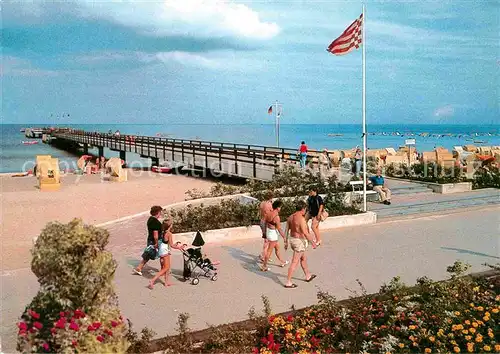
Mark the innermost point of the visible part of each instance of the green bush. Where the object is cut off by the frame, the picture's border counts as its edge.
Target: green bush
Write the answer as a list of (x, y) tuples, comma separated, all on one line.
[(486, 177), (76, 290)]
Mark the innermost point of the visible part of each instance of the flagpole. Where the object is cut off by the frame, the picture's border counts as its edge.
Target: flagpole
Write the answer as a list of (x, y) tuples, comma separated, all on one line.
[(277, 126), (364, 108)]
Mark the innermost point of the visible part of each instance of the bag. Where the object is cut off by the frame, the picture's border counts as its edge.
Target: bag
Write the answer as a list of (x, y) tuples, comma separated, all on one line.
[(149, 253)]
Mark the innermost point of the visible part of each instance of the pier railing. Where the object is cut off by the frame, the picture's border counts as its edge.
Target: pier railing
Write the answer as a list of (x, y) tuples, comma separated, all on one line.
[(236, 159)]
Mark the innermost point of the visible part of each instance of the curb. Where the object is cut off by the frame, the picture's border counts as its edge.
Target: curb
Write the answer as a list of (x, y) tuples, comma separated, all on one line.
[(254, 231)]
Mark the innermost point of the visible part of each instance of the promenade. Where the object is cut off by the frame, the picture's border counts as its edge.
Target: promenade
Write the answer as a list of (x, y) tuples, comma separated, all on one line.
[(408, 247)]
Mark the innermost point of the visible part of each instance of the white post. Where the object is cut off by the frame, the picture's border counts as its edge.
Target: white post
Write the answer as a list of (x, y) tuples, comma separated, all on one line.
[(363, 43), (277, 121)]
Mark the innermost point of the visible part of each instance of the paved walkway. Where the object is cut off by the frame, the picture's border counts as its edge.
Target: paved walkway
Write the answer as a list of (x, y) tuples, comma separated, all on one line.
[(373, 254)]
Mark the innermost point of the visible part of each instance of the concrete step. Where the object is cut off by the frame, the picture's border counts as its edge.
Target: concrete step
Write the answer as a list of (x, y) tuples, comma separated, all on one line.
[(385, 211), (414, 189)]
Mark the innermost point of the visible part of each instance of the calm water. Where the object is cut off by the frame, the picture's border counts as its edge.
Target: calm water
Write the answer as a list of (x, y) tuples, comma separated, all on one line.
[(14, 156)]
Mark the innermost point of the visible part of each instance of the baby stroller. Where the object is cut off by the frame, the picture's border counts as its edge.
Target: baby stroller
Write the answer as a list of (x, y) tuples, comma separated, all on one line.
[(194, 263)]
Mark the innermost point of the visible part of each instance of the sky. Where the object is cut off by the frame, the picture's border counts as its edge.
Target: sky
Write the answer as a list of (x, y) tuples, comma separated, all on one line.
[(225, 62)]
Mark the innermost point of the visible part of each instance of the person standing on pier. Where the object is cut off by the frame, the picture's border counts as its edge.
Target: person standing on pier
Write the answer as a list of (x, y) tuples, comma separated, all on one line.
[(303, 154), (358, 160)]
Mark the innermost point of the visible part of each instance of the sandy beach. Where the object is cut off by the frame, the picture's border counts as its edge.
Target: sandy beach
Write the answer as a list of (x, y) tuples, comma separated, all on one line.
[(25, 210)]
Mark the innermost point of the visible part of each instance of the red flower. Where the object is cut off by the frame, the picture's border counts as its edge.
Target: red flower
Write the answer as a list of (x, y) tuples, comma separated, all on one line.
[(90, 328), (114, 324), (255, 350), (74, 326), (38, 325), (275, 347), (33, 314), (62, 314), (61, 323), (314, 341), (108, 332), (96, 325), (289, 318), (100, 338), (418, 313), (22, 332), (270, 337), (271, 318), (53, 331), (45, 346), (74, 343), (22, 326), (79, 314)]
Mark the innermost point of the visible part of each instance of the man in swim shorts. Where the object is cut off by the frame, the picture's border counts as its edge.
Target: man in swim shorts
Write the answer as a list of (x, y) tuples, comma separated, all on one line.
[(299, 236)]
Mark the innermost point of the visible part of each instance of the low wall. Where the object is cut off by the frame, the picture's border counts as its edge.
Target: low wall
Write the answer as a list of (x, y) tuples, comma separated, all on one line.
[(448, 188), (254, 231)]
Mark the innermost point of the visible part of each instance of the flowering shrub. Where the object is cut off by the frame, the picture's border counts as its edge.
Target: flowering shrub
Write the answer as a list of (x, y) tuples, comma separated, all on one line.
[(72, 332), (76, 308), (461, 315)]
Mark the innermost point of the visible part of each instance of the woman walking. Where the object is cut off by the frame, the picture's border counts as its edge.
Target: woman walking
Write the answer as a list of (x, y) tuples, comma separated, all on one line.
[(303, 154), (273, 228), (166, 244)]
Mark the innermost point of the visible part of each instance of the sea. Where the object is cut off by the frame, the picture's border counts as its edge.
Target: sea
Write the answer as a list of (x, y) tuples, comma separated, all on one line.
[(18, 157)]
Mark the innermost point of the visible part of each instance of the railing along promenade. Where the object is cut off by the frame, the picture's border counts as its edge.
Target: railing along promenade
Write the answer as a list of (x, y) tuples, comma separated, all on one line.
[(243, 160)]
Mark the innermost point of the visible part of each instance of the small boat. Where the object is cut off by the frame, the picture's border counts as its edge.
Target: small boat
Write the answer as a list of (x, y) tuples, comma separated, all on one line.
[(336, 134), (479, 141), (30, 142), (22, 130), (161, 169)]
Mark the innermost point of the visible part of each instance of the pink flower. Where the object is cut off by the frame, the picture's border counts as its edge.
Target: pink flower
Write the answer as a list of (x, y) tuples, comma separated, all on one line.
[(45, 346), (74, 326), (22, 326), (74, 343), (255, 350), (114, 323), (22, 332), (108, 332), (38, 325), (33, 314), (53, 331), (90, 328), (100, 338), (62, 314), (96, 325)]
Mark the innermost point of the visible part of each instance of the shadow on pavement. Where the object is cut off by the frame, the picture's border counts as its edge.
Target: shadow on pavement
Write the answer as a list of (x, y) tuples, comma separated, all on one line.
[(460, 250), (249, 262)]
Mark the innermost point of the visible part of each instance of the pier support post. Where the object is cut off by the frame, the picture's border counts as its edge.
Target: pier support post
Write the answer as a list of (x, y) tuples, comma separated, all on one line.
[(101, 151), (155, 161), (123, 156), (85, 149)]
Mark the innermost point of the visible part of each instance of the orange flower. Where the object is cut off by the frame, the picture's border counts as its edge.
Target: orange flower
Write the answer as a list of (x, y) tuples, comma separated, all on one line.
[(428, 350), (456, 349)]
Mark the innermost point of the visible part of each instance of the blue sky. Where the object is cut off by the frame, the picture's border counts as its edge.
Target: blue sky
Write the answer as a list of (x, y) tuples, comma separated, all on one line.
[(223, 62)]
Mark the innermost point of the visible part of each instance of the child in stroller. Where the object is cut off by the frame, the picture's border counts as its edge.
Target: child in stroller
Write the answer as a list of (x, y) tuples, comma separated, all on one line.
[(196, 263)]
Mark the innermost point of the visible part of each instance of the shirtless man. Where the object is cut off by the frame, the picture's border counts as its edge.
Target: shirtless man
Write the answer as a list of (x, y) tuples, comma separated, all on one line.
[(265, 207), (296, 228)]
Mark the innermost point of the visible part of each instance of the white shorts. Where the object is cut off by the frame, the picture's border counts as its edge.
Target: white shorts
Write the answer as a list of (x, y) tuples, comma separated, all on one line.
[(163, 249), (272, 234)]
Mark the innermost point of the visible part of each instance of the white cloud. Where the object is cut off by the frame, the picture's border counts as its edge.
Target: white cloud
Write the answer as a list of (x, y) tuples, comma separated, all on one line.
[(444, 111), (13, 66), (184, 58), (198, 18)]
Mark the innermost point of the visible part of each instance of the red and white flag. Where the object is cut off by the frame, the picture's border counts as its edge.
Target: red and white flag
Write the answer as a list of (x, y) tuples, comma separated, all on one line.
[(349, 40)]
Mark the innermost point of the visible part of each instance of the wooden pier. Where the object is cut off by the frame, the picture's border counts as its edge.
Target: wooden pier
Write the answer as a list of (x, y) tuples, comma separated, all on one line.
[(241, 160)]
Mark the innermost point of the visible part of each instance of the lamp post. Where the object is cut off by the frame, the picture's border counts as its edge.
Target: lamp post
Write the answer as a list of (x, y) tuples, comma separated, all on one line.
[(278, 109)]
